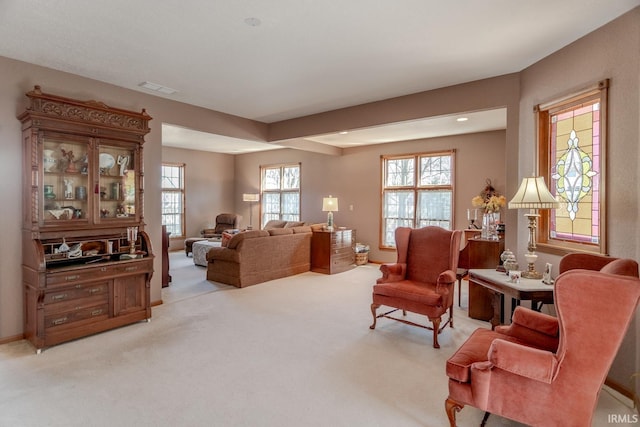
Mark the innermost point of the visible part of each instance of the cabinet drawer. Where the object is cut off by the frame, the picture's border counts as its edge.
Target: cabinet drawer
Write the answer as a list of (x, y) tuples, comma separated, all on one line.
[(345, 251), (342, 237), (76, 304), (78, 291), (343, 258), (71, 276), (132, 268), (96, 312), (64, 278)]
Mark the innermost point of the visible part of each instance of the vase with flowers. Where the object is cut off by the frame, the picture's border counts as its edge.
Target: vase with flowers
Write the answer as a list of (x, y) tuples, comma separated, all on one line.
[(490, 202)]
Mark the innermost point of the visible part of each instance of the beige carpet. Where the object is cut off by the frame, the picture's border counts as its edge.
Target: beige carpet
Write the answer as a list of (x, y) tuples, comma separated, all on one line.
[(292, 352)]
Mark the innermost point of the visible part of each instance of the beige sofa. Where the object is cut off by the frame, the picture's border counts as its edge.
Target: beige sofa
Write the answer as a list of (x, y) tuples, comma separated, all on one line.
[(257, 256)]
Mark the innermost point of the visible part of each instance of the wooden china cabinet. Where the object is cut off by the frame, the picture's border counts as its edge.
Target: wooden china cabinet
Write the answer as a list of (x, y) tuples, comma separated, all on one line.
[(86, 260)]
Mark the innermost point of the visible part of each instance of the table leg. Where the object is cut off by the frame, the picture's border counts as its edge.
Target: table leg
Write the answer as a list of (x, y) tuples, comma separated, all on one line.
[(496, 303)]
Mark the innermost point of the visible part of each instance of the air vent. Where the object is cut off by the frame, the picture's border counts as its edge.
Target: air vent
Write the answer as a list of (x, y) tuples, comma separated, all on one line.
[(157, 88)]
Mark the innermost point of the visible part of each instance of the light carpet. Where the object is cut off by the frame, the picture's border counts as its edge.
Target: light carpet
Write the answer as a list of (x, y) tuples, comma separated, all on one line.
[(296, 351)]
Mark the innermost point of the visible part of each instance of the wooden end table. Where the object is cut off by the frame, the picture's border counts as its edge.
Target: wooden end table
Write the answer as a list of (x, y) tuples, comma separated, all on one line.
[(499, 285)]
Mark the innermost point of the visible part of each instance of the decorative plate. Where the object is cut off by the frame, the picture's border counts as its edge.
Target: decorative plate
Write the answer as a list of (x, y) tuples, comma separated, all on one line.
[(106, 161)]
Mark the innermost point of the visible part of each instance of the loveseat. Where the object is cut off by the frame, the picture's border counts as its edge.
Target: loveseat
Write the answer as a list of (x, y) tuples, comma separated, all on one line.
[(256, 256)]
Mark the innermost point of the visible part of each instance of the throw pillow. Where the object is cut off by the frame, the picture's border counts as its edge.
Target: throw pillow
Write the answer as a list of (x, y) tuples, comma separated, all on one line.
[(280, 231), (226, 237), (302, 229), (274, 223), (291, 224)]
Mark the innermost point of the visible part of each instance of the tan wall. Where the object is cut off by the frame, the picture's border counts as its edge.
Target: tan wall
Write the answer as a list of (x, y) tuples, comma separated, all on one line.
[(610, 52), (354, 178), (209, 188), (17, 78), (497, 92)]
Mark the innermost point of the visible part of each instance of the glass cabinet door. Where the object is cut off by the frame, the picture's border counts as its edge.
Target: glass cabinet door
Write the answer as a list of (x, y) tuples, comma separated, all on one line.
[(117, 185), (65, 169)]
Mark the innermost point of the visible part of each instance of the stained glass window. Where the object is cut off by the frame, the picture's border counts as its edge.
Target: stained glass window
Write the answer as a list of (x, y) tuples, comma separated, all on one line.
[(572, 143)]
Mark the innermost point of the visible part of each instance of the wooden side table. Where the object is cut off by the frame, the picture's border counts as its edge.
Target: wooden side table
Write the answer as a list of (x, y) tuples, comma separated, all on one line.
[(497, 285), (332, 251)]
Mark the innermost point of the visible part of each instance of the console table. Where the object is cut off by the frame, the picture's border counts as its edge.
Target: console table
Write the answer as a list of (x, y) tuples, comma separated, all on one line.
[(332, 251), (498, 284)]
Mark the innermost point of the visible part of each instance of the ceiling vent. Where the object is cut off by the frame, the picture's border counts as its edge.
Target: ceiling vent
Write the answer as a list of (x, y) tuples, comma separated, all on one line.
[(157, 88)]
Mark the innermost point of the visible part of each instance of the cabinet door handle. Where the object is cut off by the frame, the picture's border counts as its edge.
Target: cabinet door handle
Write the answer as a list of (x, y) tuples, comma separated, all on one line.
[(73, 277), (59, 321), (96, 312), (58, 297), (131, 268)]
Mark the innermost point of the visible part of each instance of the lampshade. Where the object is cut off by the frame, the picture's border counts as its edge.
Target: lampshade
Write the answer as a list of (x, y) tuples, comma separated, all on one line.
[(533, 194), (330, 204), (250, 197)]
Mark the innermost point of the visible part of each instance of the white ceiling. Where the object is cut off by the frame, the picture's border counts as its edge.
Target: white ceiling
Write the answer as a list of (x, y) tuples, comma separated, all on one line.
[(304, 57)]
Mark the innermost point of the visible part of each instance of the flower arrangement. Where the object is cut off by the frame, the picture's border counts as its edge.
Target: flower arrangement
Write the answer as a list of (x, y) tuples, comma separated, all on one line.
[(489, 200)]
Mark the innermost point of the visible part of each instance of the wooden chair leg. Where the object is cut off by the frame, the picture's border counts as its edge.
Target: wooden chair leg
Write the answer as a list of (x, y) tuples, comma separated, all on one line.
[(451, 406), (436, 329), (374, 307), (484, 419)]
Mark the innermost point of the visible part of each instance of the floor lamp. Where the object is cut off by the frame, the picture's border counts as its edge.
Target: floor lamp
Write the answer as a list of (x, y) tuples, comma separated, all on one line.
[(250, 197), (533, 194)]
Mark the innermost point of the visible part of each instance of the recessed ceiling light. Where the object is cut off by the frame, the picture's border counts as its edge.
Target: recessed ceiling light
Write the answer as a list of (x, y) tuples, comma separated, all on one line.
[(157, 88), (252, 22), (462, 119), (344, 132)]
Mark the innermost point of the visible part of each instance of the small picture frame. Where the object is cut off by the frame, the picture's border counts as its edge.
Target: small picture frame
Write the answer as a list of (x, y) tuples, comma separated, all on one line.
[(546, 275)]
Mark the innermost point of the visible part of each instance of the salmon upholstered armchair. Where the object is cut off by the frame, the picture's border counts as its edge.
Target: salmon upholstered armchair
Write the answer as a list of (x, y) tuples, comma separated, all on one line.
[(541, 330), (521, 380), (422, 280), (604, 263)]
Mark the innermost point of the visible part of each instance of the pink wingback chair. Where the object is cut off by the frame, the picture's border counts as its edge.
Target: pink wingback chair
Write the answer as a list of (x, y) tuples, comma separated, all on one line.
[(524, 381), (541, 330), (604, 263), (422, 280)]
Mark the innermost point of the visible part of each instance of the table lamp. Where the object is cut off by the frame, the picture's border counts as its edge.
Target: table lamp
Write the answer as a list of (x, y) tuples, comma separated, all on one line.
[(330, 204), (533, 194), (251, 198)]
